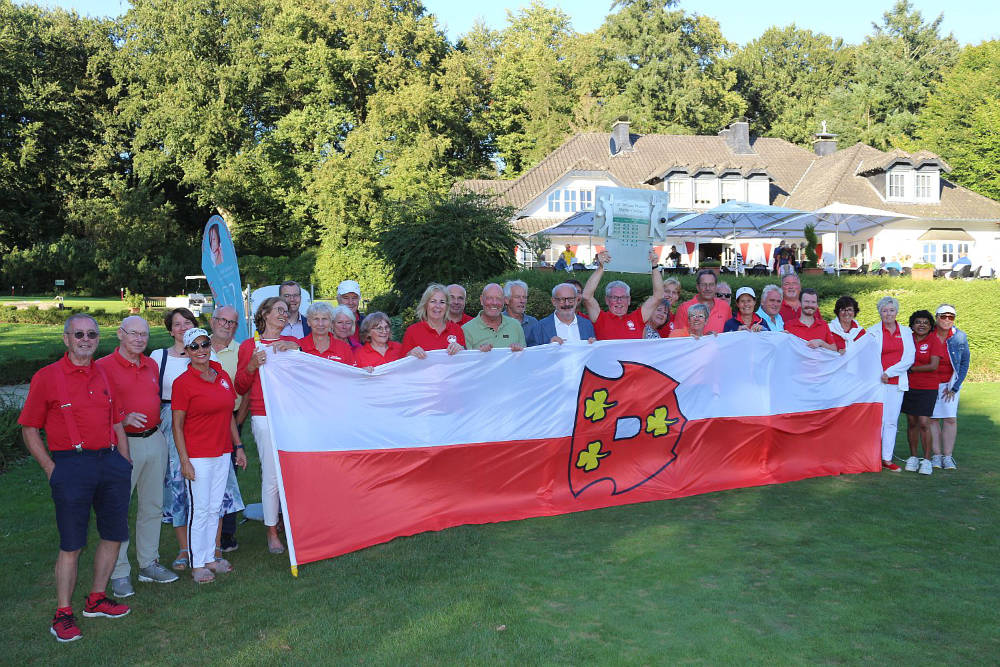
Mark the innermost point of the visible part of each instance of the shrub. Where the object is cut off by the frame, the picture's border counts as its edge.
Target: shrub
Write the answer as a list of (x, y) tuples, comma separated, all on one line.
[(11, 446)]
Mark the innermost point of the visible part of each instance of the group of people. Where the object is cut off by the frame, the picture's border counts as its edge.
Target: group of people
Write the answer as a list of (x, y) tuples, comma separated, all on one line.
[(168, 426)]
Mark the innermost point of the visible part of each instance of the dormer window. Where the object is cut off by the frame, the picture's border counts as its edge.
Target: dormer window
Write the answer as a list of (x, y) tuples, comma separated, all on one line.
[(554, 198), (913, 185), (586, 200), (924, 187)]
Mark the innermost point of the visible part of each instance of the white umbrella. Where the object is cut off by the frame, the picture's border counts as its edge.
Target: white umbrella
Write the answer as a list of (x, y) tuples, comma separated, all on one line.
[(837, 216), (738, 218)]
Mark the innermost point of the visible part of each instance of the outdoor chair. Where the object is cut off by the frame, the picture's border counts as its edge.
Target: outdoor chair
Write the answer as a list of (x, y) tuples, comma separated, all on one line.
[(907, 271), (577, 266), (965, 271), (863, 270), (893, 272)]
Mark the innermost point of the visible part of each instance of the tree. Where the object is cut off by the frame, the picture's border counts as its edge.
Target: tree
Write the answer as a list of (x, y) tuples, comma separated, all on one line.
[(783, 74), (665, 69), (961, 119), (894, 71), (454, 239)]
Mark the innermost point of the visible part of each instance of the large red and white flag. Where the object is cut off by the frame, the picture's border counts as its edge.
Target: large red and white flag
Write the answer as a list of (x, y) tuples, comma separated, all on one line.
[(422, 445)]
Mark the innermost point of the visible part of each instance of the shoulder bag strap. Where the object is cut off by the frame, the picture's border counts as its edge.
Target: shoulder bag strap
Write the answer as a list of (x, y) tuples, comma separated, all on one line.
[(163, 369)]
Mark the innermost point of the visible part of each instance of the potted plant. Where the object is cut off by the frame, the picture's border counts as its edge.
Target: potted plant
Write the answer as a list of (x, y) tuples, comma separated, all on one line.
[(922, 271), (714, 265), (810, 266), (134, 302)]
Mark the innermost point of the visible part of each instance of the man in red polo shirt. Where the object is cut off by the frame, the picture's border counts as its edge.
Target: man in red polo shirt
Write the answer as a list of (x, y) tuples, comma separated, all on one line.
[(134, 378), (616, 322), (791, 306), (719, 311), (87, 464), (810, 325), (456, 304)]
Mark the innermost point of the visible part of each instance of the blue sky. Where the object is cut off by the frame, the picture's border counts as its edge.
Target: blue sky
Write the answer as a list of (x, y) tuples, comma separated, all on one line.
[(971, 21)]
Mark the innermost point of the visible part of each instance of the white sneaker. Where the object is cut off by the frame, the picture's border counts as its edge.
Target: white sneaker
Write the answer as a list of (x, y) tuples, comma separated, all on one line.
[(912, 464), (936, 461), (948, 462), (925, 467)]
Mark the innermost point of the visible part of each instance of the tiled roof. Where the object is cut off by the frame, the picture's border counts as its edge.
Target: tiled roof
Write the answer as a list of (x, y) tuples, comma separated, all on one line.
[(897, 156), (838, 177), (799, 178)]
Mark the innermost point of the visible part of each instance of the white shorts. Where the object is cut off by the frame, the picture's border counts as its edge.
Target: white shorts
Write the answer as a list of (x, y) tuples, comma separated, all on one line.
[(945, 409)]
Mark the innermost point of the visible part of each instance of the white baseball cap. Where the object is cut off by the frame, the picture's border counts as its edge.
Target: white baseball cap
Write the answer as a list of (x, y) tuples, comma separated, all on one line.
[(191, 335), (349, 287), (745, 290), (945, 309)]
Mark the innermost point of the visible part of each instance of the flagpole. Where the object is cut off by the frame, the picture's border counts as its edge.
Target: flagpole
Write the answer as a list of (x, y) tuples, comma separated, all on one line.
[(292, 562)]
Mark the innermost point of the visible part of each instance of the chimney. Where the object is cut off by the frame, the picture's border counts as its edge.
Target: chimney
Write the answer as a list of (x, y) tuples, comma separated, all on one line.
[(737, 137), (824, 143), (621, 137)]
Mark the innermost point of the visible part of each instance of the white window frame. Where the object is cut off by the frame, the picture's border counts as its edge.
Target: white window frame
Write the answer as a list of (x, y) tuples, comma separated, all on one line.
[(569, 201), (929, 252), (732, 185), (586, 200), (947, 252), (895, 185), (553, 199), (923, 186), (703, 188)]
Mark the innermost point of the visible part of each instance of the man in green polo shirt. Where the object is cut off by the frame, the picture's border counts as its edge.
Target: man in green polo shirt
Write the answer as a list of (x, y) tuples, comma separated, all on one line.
[(491, 328)]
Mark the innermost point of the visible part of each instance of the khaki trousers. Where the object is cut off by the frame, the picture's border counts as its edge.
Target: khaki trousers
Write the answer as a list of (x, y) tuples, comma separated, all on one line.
[(149, 466)]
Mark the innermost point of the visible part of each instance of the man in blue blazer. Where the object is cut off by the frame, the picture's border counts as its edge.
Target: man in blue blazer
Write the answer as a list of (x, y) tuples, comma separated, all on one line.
[(563, 325)]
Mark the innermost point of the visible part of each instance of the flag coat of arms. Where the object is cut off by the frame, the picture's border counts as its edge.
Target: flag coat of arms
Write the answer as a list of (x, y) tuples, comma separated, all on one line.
[(420, 445)]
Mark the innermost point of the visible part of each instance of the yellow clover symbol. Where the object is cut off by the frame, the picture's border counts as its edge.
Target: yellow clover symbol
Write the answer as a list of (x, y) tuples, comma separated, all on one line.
[(597, 405), (657, 423), (591, 458)]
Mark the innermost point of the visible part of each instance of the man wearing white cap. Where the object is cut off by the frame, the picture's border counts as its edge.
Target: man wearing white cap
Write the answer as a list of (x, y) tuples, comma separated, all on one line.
[(297, 325), (349, 294)]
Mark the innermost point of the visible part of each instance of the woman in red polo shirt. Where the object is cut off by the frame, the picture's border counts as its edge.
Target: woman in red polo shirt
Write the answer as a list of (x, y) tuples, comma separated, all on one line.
[(896, 342), (376, 348), (270, 319), (205, 436), (919, 399), (433, 331), (321, 342), (843, 326)]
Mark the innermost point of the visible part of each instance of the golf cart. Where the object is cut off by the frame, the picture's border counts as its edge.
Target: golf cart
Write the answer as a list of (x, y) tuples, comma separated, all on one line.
[(194, 299)]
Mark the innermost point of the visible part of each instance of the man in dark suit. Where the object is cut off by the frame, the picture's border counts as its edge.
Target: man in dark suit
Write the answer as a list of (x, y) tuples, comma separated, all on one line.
[(563, 325)]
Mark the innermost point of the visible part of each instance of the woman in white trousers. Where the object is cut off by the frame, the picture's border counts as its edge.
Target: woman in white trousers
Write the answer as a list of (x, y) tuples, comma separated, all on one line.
[(896, 343)]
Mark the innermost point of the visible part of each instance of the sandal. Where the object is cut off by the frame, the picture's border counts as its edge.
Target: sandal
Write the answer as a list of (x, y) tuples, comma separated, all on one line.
[(276, 548), (220, 566), (202, 575), (182, 562)]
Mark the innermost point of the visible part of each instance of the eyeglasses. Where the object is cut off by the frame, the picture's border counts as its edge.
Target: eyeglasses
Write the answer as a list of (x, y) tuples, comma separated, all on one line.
[(724, 295), (80, 335), (564, 299), (195, 346), (616, 298), (946, 316), (382, 327), (224, 321), (134, 334)]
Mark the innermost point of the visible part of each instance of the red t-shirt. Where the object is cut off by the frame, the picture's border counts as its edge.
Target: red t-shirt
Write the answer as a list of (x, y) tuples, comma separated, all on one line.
[(789, 314), (366, 355), (338, 350), (612, 327), (423, 335), (892, 350), (930, 346), (208, 408), (92, 400), (819, 329), (717, 316), (945, 369), (246, 381), (465, 318), (136, 386), (842, 344)]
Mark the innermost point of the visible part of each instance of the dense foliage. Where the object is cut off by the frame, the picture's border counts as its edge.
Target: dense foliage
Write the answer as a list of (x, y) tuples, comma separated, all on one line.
[(309, 125)]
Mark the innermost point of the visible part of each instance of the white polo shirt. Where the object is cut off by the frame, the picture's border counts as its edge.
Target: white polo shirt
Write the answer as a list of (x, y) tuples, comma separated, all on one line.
[(568, 332)]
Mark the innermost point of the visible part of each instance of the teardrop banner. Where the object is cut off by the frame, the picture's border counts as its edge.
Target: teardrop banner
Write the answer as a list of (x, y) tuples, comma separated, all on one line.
[(218, 263)]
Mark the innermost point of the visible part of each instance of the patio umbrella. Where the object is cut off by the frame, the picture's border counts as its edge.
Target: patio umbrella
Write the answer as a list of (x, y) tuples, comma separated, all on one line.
[(736, 218), (837, 216)]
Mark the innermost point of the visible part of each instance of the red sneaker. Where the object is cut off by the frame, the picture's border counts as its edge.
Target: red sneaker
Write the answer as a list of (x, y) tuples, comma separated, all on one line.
[(64, 627), (104, 606), (890, 466)]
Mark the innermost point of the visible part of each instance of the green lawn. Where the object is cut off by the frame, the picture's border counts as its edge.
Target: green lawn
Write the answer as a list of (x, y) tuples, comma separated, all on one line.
[(880, 568)]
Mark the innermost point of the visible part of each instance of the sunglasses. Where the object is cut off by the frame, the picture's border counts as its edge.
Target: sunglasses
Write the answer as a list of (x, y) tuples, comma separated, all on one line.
[(80, 335), (195, 346), (723, 295), (946, 316)]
